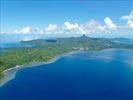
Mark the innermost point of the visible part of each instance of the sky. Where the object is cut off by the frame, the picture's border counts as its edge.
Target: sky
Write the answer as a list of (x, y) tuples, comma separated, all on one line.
[(32, 19)]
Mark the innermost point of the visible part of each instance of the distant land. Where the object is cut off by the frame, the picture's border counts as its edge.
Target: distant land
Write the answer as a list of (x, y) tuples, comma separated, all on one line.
[(122, 40), (42, 50)]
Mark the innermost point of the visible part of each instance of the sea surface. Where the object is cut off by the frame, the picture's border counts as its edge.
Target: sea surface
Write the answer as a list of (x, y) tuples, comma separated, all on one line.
[(103, 75)]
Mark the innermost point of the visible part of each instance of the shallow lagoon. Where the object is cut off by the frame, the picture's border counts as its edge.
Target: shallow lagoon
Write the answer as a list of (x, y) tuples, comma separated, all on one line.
[(103, 75)]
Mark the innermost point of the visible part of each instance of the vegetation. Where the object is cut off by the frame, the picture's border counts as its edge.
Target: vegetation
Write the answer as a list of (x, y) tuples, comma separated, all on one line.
[(44, 50)]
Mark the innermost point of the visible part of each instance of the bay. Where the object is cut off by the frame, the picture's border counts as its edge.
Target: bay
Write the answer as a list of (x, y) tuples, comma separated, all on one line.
[(102, 75)]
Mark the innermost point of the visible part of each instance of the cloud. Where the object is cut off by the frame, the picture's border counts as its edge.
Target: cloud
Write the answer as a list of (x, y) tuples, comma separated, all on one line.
[(26, 30), (51, 28), (2, 32), (89, 27), (28, 38), (92, 26), (70, 27), (109, 24), (128, 17), (130, 24)]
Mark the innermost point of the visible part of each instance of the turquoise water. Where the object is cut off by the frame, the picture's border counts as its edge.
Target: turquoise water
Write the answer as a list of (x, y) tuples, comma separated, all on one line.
[(103, 75)]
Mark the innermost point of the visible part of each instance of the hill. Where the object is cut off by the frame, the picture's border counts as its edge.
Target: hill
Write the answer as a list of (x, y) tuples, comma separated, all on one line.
[(44, 50)]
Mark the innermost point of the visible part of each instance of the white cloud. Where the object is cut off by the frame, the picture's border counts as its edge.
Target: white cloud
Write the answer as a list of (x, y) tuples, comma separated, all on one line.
[(109, 24), (101, 28), (16, 31), (130, 24), (128, 17), (2, 32), (28, 38), (70, 27), (51, 28), (91, 27), (26, 30)]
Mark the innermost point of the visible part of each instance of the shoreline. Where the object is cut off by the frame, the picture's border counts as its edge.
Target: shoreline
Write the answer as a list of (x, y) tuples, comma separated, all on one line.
[(9, 74)]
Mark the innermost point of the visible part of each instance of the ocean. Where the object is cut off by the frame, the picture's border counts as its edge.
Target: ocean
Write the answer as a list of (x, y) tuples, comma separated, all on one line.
[(102, 75)]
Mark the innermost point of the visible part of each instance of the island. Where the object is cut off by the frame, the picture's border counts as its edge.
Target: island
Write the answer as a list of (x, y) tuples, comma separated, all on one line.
[(43, 50)]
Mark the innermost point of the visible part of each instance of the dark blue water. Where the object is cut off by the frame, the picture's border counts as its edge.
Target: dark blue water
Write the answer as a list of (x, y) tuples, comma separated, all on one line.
[(105, 75)]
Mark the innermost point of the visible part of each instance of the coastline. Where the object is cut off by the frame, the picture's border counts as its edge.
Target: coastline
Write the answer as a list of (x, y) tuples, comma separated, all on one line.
[(9, 74)]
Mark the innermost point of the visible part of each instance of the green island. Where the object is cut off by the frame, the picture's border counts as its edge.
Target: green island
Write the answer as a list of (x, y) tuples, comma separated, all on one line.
[(44, 50)]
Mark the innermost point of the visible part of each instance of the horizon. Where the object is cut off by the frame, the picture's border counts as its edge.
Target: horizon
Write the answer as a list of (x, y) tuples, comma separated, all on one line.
[(29, 20), (12, 43)]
